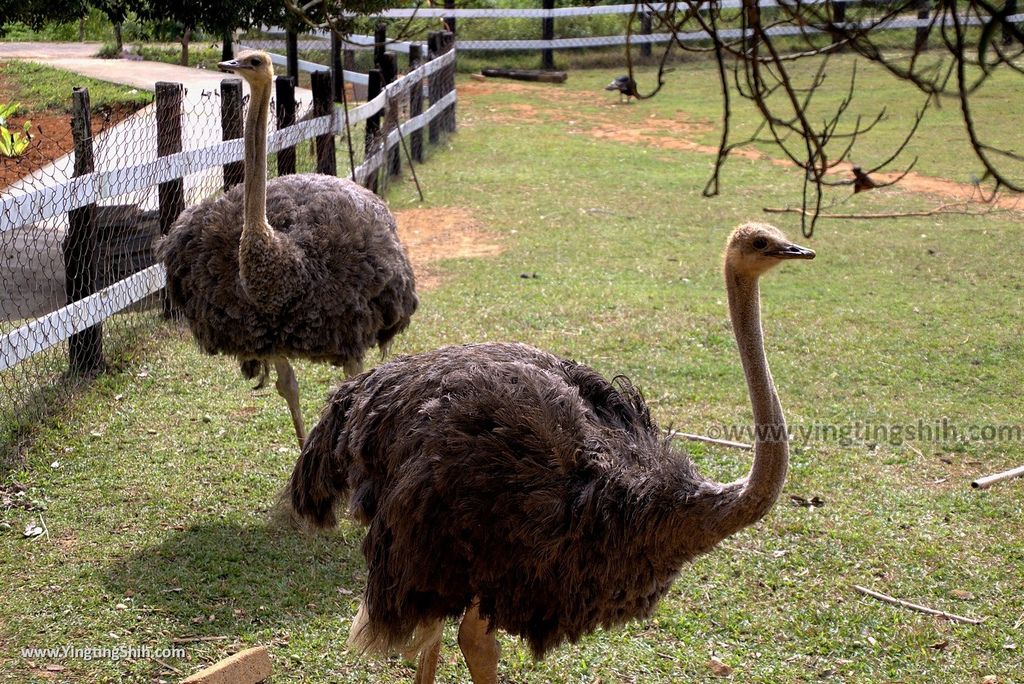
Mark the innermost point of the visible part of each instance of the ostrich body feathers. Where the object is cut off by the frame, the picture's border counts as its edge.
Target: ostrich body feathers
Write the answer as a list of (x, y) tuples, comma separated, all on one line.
[(334, 282), (506, 474)]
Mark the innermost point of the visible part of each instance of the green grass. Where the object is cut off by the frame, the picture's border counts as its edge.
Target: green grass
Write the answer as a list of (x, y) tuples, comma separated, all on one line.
[(156, 484), (200, 53), (40, 87)]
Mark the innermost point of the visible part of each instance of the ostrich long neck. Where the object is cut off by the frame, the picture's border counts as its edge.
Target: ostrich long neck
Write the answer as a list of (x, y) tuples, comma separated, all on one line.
[(256, 227), (758, 491)]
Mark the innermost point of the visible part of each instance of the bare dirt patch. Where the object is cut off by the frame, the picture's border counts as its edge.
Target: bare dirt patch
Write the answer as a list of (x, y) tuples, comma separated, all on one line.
[(677, 134), (50, 131), (432, 234)]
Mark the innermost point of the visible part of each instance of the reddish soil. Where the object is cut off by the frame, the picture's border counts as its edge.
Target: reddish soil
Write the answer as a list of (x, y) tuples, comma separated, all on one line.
[(677, 134), (432, 234), (50, 131)]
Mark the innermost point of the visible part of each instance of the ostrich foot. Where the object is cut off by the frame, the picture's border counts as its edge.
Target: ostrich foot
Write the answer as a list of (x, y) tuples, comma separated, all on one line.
[(288, 387), (479, 647)]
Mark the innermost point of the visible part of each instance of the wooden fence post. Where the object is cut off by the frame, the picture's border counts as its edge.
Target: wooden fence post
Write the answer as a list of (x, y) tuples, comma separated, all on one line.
[(376, 84), (284, 97), (81, 269), (380, 42), (434, 87), (449, 22), (416, 103), (547, 32), (646, 28), (291, 40), (231, 127), (448, 83), (838, 17), (337, 69), (921, 38), (1010, 9), (323, 104), (389, 73), (171, 193)]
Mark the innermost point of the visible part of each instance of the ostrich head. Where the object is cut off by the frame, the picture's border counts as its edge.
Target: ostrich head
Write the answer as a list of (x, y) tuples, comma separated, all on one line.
[(755, 248), (254, 66)]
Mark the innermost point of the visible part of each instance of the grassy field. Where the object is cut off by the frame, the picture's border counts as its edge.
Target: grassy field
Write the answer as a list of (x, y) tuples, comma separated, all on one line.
[(46, 88), (155, 486)]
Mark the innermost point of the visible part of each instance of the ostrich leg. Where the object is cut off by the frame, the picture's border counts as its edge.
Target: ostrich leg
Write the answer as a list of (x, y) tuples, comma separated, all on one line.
[(288, 387), (353, 367), (479, 647), (426, 665)]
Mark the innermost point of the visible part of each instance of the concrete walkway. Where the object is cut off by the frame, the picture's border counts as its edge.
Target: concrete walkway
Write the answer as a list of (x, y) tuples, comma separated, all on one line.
[(40, 288)]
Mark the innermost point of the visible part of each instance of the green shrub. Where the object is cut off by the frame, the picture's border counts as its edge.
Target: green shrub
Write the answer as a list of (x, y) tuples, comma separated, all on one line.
[(12, 142)]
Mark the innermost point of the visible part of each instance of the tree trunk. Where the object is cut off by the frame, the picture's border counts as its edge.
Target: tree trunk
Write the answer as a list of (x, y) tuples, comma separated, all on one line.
[(186, 37), (118, 38)]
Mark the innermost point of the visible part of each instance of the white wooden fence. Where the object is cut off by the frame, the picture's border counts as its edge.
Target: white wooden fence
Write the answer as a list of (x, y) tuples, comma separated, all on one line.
[(18, 210)]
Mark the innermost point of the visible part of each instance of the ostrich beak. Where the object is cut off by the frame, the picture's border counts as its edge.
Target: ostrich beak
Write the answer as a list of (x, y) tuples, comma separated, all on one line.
[(230, 66), (791, 251)]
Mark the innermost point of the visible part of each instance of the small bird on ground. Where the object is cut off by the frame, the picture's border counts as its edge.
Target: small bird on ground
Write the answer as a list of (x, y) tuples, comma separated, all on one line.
[(625, 85), (861, 181)]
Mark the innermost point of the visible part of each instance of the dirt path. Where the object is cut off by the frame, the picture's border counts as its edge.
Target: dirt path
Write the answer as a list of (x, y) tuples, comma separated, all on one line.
[(431, 234)]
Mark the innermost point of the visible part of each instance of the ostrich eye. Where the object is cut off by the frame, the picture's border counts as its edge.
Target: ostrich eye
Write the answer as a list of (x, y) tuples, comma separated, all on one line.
[(255, 61), (760, 243)]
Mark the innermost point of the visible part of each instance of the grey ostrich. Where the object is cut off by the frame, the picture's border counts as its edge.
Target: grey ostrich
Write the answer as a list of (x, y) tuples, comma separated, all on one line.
[(304, 266), (525, 492)]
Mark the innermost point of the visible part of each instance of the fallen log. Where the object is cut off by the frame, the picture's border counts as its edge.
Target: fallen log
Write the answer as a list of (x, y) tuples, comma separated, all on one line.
[(538, 75)]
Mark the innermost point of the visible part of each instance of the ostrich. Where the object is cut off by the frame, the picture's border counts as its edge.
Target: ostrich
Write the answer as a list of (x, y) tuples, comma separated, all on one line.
[(524, 492), (625, 85), (305, 266)]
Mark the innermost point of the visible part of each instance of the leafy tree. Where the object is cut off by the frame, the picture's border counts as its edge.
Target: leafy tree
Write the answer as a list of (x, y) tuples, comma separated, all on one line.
[(219, 17), (116, 11), (35, 13)]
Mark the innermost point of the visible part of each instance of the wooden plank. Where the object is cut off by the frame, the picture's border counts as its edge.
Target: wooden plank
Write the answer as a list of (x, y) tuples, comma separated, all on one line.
[(537, 75), (245, 667)]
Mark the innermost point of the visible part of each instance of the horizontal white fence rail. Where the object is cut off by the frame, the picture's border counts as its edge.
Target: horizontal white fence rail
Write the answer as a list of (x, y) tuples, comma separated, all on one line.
[(43, 203), (53, 328), (310, 67), (32, 207), (560, 12), (892, 23)]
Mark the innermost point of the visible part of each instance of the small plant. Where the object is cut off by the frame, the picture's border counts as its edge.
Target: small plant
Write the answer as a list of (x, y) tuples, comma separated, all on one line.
[(12, 143)]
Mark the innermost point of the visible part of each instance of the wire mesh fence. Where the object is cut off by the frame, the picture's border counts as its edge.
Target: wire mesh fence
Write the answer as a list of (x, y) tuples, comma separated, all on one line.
[(79, 280)]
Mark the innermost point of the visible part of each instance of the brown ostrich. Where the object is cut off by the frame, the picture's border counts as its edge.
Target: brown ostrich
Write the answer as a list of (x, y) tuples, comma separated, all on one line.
[(525, 492), (304, 266)]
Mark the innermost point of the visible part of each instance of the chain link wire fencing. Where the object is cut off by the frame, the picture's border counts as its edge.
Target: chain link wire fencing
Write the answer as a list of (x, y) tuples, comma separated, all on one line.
[(79, 282)]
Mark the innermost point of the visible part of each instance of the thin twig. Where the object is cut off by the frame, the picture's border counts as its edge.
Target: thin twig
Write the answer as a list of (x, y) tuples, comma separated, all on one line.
[(921, 609), (408, 158), (672, 434), (193, 639), (169, 667), (942, 209)]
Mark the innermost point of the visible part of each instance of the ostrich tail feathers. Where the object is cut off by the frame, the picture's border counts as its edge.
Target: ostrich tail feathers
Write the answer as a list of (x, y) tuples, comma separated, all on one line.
[(320, 476)]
